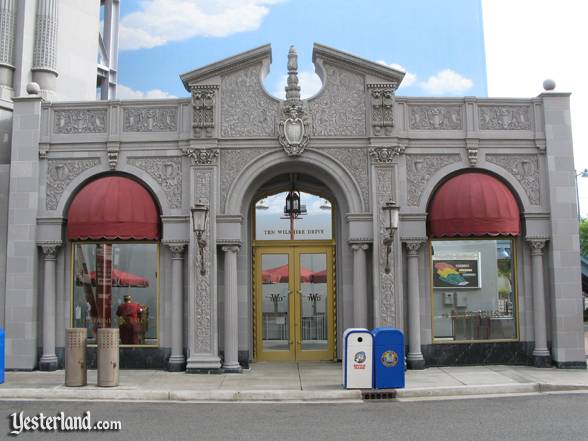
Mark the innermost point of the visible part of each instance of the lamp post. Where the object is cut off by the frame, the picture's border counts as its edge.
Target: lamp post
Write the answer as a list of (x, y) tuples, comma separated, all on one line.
[(582, 174), (393, 210), (199, 218)]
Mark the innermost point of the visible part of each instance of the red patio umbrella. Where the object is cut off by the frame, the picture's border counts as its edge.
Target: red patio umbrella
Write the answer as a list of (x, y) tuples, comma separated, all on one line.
[(319, 277), (279, 274), (120, 279)]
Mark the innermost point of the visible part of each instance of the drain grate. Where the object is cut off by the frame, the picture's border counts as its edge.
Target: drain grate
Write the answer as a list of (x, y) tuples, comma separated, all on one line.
[(378, 394)]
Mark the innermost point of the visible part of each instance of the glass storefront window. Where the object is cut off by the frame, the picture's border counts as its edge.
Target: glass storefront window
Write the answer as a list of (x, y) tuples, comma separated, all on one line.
[(473, 290), (115, 285), (314, 223)]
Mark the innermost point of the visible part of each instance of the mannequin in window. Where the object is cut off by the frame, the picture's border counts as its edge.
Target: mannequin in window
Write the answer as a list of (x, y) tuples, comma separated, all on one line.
[(130, 314)]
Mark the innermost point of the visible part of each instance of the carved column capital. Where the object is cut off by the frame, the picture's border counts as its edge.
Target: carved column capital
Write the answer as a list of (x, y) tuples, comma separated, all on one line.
[(360, 246), (177, 249), (537, 244), (413, 245), (386, 154), (201, 156), (49, 249), (230, 248)]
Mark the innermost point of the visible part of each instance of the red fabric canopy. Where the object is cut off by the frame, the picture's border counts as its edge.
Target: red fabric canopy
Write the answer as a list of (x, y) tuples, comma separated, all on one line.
[(113, 208), (473, 204)]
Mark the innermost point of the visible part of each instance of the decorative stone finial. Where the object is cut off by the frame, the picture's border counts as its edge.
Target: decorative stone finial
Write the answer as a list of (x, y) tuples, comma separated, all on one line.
[(292, 89), (33, 88), (548, 84)]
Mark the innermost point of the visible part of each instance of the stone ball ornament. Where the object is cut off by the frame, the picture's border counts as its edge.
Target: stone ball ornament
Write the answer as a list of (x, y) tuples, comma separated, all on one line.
[(33, 88), (548, 84)]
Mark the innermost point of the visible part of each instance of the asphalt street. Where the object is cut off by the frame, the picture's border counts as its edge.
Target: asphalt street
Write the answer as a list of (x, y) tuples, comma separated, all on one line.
[(535, 417)]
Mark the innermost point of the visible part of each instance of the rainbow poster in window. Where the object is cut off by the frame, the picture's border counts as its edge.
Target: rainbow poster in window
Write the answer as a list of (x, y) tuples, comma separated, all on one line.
[(454, 272)]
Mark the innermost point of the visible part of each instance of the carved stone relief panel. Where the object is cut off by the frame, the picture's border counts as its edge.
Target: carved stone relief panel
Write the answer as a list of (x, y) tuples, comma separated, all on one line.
[(202, 301), (150, 119), (232, 161), (435, 117), (355, 161), (60, 173), (504, 117), (387, 304), (246, 109), (382, 98), (203, 104), (79, 121), (525, 168), (420, 169), (167, 172), (340, 109)]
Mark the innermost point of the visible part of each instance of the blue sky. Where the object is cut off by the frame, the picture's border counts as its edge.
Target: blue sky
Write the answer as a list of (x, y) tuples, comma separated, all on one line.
[(439, 44)]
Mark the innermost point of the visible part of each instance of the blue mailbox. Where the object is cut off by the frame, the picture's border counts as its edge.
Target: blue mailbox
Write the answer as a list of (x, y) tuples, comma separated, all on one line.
[(388, 358)]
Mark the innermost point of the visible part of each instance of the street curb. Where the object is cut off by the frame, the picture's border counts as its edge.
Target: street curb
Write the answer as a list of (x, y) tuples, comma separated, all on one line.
[(483, 389), (110, 394)]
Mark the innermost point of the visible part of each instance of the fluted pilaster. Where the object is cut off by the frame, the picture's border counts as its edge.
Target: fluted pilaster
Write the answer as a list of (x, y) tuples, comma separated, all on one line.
[(45, 48), (7, 35)]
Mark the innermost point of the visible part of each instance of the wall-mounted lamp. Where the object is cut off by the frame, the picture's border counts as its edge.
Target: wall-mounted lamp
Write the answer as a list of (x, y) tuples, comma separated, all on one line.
[(393, 210), (199, 218)]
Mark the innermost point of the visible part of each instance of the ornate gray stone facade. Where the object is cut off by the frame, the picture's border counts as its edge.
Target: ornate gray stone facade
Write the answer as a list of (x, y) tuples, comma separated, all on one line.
[(225, 149), (60, 173), (45, 48), (167, 172)]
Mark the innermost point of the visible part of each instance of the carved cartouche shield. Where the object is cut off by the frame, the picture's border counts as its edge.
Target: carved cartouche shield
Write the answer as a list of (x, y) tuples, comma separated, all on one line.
[(294, 131)]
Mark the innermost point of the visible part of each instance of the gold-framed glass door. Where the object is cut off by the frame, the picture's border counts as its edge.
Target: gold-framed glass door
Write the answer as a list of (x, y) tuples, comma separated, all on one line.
[(294, 303)]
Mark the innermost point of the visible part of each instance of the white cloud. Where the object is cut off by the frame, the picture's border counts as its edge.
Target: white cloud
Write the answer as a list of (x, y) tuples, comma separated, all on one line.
[(159, 22), (446, 82), (309, 83), (126, 93), (409, 77)]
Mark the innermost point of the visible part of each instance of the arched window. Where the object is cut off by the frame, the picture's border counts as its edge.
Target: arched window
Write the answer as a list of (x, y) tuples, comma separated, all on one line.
[(113, 223), (293, 215), (473, 220)]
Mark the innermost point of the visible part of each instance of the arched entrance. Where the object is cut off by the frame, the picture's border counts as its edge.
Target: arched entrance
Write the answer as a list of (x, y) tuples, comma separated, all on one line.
[(294, 274)]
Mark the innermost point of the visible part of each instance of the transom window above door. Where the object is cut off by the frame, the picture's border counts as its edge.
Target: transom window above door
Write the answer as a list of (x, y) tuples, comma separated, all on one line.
[(293, 215)]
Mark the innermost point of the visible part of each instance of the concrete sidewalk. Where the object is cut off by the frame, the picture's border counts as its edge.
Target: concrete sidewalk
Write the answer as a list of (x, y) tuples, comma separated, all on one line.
[(309, 381)]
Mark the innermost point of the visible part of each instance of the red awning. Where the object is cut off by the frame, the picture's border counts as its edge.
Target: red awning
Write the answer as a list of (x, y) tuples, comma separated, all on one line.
[(473, 204), (113, 208), (279, 274)]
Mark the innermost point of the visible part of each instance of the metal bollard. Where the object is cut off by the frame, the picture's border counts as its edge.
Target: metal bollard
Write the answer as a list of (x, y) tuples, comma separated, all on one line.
[(108, 357), (76, 373)]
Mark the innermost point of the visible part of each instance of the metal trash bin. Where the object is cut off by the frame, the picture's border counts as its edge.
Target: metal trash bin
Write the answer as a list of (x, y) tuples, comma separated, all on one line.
[(2, 355), (357, 359), (388, 358), (108, 356), (76, 373)]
